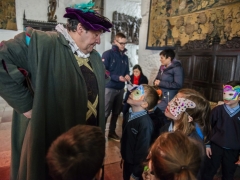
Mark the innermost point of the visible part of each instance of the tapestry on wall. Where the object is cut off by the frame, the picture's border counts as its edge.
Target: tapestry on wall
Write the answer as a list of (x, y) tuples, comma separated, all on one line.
[(187, 20), (8, 15)]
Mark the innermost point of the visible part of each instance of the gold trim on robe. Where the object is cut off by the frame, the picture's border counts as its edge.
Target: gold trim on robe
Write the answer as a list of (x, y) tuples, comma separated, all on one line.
[(91, 106)]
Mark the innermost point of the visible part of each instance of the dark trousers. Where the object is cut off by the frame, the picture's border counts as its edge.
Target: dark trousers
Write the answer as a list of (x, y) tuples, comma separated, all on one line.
[(128, 170), (113, 103), (220, 156)]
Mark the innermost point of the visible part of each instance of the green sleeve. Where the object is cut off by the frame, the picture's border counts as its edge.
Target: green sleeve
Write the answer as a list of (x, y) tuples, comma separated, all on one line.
[(13, 55)]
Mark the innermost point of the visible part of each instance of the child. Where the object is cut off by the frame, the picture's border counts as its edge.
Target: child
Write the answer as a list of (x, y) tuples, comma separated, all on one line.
[(189, 112), (173, 156), (157, 116), (77, 154), (224, 145), (137, 78), (137, 131)]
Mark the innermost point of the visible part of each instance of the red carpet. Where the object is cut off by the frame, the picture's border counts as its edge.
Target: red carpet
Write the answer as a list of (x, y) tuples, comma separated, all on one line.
[(4, 173)]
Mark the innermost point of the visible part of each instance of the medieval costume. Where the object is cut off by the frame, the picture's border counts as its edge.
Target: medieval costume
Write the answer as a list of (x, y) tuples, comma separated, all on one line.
[(67, 89)]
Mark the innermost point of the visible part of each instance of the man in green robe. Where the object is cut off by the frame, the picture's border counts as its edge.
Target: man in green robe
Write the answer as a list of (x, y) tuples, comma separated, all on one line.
[(53, 81)]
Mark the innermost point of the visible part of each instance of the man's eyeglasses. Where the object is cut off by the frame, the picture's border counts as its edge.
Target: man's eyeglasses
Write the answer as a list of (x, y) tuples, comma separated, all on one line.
[(122, 43)]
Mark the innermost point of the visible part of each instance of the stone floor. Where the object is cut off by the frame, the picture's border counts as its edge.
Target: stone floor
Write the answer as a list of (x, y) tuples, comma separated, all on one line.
[(112, 160)]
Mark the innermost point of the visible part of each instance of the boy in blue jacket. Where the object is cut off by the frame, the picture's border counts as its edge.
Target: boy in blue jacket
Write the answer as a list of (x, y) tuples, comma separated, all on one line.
[(224, 141), (137, 131)]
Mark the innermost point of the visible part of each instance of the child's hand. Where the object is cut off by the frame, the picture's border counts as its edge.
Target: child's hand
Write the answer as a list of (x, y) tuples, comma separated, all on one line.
[(156, 82), (146, 175), (131, 178), (238, 162), (208, 152)]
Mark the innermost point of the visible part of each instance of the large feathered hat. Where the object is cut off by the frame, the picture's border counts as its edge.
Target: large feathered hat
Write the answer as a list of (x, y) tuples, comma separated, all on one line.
[(88, 17)]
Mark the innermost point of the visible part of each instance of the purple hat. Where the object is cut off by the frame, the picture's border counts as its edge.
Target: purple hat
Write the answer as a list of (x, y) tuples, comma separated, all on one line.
[(88, 17)]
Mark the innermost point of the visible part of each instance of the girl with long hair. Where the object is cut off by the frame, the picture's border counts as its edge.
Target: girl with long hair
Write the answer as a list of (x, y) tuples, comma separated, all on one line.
[(188, 112), (173, 156)]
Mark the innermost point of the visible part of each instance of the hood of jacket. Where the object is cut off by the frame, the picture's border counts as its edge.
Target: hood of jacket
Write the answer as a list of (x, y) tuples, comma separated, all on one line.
[(115, 48), (174, 63)]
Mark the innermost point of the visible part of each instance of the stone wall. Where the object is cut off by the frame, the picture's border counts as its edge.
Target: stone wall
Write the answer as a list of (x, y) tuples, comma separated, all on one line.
[(131, 8), (148, 59), (37, 10)]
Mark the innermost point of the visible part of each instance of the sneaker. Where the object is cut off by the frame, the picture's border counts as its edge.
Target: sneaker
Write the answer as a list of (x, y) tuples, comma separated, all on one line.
[(114, 136)]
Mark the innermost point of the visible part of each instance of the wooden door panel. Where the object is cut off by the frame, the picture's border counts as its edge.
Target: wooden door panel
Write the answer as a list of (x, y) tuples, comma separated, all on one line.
[(208, 66)]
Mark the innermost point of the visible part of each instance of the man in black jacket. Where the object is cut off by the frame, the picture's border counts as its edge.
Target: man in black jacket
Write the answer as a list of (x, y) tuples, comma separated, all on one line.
[(116, 62)]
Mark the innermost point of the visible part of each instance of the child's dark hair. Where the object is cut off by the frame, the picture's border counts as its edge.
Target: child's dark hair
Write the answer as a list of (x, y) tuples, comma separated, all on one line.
[(77, 154), (152, 96), (175, 156), (168, 53), (233, 83)]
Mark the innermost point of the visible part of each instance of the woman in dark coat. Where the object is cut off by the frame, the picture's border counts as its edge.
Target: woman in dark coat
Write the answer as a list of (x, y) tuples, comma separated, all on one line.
[(137, 78), (169, 78)]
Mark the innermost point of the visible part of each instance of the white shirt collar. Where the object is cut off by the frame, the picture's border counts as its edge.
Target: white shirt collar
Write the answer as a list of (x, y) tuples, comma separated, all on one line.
[(72, 44)]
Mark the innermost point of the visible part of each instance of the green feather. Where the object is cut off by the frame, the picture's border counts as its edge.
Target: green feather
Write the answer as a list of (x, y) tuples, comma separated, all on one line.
[(85, 7)]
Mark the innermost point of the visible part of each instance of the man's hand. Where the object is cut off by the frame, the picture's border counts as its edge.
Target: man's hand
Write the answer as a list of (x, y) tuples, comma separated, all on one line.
[(122, 79), (127, 77), (28, 114), (156, 82), (208, 152)]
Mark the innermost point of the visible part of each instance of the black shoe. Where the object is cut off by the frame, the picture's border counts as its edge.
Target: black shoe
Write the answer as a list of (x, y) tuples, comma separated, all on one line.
[(114, 136)]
